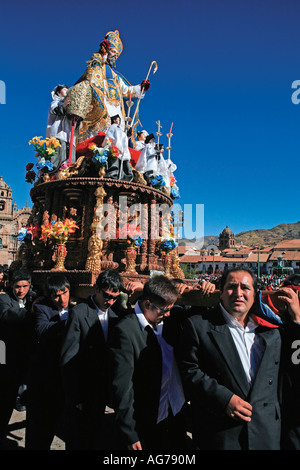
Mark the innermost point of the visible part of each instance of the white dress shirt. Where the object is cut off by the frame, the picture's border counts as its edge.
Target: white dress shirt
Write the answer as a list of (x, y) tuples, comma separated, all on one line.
[(103, 317), (171, 387), (63, 314), (249, 346), (22, 302)]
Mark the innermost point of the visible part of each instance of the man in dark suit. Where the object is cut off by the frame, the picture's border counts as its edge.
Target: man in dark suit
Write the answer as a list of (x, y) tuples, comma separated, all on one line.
[(84, 362), (45, 394), (229, 361), (17, 333), (147, 394), (285, 304)]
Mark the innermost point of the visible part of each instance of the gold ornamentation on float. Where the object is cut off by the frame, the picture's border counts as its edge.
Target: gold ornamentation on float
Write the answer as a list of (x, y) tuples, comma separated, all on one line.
[(95, 244)]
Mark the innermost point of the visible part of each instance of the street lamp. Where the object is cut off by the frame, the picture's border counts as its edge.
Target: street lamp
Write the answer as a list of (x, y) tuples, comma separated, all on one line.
[(203, 271), (258, 262), (213, 252)]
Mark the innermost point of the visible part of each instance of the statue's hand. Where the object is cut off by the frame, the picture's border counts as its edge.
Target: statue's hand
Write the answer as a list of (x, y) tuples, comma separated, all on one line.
[(145, 85)]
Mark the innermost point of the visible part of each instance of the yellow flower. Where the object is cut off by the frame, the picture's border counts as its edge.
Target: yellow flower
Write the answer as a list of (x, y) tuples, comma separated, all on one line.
[(34, 140), (52, 142), (38, 141), (50, 151), (92, 147)]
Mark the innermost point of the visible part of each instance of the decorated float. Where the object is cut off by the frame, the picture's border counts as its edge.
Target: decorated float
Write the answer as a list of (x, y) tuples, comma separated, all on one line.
[(96, 210)]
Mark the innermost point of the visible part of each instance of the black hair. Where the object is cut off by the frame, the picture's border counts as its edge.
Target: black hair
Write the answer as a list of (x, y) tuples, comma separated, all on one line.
[(149, 138), (55, 283), (110, 279), (59, 88), (114, 118), (160, 290), (234, 270), (21, 274)]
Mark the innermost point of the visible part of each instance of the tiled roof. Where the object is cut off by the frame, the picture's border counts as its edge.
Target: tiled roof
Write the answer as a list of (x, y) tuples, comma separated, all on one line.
[(287, 255), (223, 259), (288, 244), (182, 249), (289, 249), (253, 258)]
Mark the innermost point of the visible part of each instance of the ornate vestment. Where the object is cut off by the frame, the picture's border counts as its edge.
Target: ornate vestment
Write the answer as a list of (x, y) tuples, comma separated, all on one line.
[(108, 88)]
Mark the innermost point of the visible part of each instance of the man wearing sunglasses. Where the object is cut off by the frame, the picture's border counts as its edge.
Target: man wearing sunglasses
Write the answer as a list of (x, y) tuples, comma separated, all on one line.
[(147, 393), (84, 362)]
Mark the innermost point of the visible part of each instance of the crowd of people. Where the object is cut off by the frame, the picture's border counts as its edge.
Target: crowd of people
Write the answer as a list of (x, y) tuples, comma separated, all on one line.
[(226, 375), (266, 281)]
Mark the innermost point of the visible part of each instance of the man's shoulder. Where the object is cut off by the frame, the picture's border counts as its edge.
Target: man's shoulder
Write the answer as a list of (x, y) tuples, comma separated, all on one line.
[(43, 300), (128, 320), (82, 307), (44, 305), (209, 315), (7, 297)]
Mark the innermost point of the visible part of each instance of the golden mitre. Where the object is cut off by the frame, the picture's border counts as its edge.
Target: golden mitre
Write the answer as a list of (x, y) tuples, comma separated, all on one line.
[(114, 38)]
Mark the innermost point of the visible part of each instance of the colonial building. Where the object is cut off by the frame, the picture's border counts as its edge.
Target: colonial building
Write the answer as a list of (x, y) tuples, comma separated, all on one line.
[(226, 239), (282, 258), (11, 220)]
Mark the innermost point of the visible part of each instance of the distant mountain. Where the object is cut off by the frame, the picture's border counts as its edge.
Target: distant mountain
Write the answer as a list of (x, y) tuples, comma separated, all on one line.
[(270, 236)]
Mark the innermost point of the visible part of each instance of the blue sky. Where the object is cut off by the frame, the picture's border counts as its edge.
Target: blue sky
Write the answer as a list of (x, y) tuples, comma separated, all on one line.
[(224, 78)]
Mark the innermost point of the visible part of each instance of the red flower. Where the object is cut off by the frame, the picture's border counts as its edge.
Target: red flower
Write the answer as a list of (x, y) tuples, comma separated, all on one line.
[(29, 166), (114, 151), (30, 176), (73, 211), (128, 230)]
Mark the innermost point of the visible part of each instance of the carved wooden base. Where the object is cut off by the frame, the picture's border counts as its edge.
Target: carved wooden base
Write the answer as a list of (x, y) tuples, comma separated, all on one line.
[(96, 202)]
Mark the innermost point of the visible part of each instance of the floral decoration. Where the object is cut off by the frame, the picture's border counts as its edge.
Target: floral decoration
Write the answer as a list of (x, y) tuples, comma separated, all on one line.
[(158, 182), (58, 229), (101, 154), (167, 244), (137, 240), (132, 233), (45, 149), (174, 190), (30, 174), (175, 194)]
